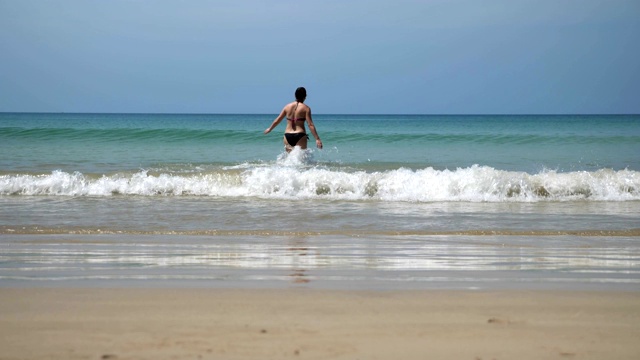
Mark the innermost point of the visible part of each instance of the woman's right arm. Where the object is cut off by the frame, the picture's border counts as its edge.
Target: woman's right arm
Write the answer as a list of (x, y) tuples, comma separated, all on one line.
[(314, 132)]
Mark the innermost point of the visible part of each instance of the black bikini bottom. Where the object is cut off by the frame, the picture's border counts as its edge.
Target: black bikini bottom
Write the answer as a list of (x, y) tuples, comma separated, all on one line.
[(293, 138)]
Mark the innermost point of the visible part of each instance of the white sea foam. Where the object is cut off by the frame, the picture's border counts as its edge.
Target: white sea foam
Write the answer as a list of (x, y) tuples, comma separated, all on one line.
[(287, 179)]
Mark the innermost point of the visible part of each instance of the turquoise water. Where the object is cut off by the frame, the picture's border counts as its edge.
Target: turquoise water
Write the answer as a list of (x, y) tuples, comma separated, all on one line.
[(448, 201), (104, 143), (366, 156)]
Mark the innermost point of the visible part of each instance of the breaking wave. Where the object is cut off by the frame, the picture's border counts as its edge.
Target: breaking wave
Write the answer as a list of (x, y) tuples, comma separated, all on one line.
[(282, 180)]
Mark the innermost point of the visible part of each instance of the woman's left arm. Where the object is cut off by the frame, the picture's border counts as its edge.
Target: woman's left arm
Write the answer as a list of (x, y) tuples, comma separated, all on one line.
[(276, 121)]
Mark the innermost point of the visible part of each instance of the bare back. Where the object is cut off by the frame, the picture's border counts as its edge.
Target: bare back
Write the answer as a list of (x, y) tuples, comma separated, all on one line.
[(298, 112)]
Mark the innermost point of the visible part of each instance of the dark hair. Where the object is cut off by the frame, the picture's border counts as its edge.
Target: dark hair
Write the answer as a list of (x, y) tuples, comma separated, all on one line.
[(301, 94)]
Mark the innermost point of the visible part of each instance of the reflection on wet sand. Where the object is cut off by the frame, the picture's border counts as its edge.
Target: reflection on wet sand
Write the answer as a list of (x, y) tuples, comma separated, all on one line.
[(453, 261), (298, 249)]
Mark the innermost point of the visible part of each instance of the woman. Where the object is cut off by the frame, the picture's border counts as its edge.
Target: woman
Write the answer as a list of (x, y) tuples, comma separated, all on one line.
[(296, 113)]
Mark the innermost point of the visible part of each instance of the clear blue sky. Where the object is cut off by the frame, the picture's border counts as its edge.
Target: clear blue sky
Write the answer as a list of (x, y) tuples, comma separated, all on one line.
[(353, 56)]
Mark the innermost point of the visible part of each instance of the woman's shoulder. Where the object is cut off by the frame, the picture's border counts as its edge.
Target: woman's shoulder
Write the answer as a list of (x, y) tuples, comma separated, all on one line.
[(304, 106), (290, 105), (297, 105)]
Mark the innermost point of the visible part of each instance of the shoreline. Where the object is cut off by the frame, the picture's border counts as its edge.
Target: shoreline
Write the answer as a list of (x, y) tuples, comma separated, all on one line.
[(383, 262), (170, 323)]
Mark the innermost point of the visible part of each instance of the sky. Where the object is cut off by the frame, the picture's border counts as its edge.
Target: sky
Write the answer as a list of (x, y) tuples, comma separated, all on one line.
[(353, 57)]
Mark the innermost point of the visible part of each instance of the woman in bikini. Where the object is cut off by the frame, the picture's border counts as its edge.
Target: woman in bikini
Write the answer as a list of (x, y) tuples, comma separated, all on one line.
[(296, 113)]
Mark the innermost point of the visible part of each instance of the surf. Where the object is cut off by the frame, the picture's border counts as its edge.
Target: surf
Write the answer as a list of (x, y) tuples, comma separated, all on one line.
[(299, 177)]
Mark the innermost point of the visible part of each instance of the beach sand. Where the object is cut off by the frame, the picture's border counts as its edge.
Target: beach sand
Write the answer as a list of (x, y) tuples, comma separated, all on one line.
[(58, 323)]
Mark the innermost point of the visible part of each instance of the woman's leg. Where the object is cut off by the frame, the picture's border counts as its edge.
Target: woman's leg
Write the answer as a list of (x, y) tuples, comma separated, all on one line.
[(302, 142), (287, 147)]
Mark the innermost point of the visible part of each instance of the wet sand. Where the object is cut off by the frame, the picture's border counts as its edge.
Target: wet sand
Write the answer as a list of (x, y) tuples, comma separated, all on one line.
[(90, 323)]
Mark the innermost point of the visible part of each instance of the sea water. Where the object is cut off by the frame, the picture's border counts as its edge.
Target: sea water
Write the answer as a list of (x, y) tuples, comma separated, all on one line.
[(391, 201)]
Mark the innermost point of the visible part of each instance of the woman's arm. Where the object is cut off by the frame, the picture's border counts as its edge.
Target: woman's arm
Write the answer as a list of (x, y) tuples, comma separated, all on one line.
[(276, 121), (312, 127)]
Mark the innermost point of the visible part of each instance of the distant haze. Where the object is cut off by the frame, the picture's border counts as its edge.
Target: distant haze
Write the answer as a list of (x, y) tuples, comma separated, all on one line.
[(356, 56)]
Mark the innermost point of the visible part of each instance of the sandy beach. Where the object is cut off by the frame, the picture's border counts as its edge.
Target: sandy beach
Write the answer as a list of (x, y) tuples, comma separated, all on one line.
[(59, 323)]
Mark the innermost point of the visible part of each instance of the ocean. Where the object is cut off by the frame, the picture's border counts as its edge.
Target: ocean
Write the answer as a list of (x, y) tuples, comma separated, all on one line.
[(391, 202)]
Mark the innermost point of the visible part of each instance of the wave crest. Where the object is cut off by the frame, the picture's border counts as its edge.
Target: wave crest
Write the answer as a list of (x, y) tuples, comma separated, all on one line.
[(475, 183)]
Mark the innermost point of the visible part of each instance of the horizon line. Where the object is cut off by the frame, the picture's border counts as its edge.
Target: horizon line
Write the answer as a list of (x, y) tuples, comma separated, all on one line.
[(321, 114)]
